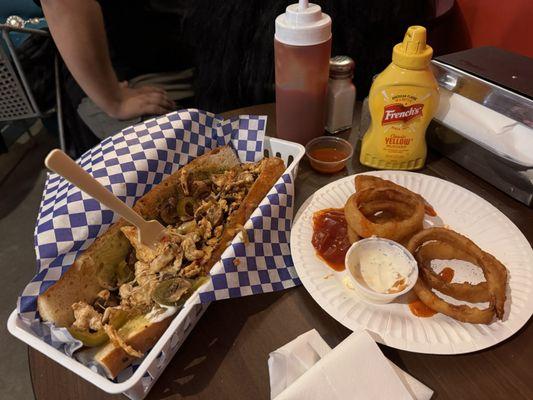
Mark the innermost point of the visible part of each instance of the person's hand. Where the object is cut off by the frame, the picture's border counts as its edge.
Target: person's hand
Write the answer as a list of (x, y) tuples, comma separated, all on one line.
[(136, 102)]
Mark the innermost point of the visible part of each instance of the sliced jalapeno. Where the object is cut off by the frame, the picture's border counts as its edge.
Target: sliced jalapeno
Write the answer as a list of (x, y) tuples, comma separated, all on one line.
[(89, 339), (119, 318), (187, 227), (107, 277), (185, 207), (93, 339), (195, 285), (169, 291), (176, 291), (124, 273)]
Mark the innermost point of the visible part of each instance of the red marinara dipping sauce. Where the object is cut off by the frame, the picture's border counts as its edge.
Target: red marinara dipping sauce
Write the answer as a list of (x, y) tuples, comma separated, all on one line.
[(330, 237)]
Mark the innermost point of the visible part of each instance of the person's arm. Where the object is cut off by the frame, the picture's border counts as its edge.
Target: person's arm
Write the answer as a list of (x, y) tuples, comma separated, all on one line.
[(77, 27)]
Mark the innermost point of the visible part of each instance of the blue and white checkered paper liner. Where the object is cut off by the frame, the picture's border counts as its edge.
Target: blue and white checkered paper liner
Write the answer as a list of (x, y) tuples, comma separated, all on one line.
[(262, 263), (129, 164)]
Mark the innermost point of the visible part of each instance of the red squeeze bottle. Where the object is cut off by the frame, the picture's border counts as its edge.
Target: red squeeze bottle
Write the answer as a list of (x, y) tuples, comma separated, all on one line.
[(302, 49)]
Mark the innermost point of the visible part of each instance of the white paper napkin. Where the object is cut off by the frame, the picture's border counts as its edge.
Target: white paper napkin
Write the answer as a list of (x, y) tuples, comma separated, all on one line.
[(307, 368), (501, 134)]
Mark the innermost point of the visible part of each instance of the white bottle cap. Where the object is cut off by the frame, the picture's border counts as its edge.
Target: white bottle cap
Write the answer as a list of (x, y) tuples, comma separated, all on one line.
[(303, 24)]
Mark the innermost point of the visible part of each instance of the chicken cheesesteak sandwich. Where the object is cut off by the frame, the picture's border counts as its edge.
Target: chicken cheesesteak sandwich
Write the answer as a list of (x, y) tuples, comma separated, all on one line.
[(119, 295)]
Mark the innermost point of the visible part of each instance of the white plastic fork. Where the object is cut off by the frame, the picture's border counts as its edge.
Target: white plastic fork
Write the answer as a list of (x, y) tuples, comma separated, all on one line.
[(149, 231)]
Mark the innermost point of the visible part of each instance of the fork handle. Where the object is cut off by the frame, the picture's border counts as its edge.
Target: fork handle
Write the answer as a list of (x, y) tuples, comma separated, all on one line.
[(63, 165)]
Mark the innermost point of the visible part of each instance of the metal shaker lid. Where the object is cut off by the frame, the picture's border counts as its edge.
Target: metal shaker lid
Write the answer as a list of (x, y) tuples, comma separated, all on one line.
[(341, 67)]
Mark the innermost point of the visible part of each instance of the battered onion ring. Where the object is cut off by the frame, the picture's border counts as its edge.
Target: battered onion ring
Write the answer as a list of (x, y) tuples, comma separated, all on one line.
[(363, 182), (388, 210), (461, 313), (465, 291), (396, 229), (495, 274)]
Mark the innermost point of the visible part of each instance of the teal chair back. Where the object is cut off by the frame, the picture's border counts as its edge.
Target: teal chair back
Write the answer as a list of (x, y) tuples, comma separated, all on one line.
[(23, 8)]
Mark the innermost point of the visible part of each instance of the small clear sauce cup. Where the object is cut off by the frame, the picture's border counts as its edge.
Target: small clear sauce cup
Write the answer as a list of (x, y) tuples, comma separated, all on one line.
[(354, 271), (328, 154)]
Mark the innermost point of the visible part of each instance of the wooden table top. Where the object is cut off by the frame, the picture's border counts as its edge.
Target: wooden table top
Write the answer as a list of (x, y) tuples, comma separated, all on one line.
[(225, 356)]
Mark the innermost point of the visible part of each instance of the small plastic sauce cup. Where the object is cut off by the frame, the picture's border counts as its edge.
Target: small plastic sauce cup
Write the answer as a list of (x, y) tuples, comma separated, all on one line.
[(328, 154), (354, 270)]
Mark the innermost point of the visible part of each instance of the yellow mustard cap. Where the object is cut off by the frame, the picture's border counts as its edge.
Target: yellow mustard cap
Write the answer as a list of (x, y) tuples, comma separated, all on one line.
[(413, 52)]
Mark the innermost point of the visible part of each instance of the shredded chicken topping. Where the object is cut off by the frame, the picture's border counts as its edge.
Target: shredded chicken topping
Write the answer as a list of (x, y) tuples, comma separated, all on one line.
[(86, 317), (183, 253), (192, 270)]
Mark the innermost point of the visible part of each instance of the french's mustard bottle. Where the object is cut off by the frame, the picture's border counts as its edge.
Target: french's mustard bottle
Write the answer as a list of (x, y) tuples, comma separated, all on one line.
[(402, 101)]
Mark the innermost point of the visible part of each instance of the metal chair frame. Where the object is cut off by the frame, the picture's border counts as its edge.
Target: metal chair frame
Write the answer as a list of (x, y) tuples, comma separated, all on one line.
[(20, 89)]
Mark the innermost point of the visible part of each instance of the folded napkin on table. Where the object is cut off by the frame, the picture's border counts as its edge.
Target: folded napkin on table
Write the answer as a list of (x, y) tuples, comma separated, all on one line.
[(307, 368)]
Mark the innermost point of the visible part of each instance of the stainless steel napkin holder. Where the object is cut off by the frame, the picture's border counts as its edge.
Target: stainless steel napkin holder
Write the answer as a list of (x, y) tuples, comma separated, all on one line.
[(498, 81)]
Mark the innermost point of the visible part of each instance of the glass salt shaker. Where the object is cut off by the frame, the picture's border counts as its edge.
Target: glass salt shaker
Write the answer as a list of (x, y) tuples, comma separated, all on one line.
[(341, 94)]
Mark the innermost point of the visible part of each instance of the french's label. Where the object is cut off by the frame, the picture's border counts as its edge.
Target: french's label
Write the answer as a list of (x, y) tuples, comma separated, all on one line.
[(393, 113)]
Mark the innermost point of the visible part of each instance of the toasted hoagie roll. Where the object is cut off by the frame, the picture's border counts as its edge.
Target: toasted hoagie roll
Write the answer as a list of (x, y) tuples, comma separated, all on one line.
[(119, 295)]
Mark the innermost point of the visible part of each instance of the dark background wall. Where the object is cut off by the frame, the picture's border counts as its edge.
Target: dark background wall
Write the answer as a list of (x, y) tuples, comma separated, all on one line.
[(235, 61), (507, 24)]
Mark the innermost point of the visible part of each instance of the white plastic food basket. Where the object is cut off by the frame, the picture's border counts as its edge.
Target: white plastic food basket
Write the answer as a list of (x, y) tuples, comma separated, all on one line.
[(139, 384)]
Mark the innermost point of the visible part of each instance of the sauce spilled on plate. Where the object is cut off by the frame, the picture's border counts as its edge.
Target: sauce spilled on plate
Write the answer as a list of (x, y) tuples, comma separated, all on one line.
[(420, 309), (330, 237), (430, 210), (447, 274)]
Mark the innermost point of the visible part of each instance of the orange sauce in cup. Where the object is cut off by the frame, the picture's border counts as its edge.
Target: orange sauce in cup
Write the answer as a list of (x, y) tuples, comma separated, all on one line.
[(327, 159)]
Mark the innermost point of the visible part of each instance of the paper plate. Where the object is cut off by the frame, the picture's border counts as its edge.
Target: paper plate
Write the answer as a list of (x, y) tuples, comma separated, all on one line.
[(394, 324)]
